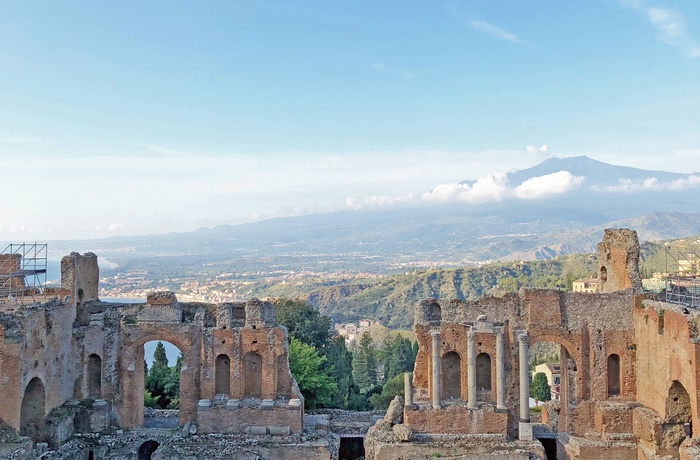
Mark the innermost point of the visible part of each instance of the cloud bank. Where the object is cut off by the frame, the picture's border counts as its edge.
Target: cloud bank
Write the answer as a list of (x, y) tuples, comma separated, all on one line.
[(490, 188)]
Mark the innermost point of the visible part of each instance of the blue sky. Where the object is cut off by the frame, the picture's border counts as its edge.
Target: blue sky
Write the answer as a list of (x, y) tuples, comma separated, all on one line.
[(145, 117)]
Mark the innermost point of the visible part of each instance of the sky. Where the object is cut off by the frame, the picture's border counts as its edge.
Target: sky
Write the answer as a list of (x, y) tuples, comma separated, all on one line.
[(123, 118)]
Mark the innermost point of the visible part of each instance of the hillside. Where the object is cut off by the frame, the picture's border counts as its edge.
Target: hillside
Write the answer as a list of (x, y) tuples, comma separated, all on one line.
[(391, 300)]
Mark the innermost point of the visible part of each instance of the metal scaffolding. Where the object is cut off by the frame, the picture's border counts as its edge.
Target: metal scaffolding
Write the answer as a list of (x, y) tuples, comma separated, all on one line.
[(23, 272), (683, 280)]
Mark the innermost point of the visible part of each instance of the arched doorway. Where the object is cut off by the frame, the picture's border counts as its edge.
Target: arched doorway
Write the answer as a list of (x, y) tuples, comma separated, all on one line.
[(33, 410), (162, 365), (451, 369), (553, 356)]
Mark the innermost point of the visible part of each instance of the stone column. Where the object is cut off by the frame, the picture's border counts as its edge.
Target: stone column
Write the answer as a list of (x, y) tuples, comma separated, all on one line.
[(500, 373), (471, 369), (437, 382), (524, 379), (408, 388)]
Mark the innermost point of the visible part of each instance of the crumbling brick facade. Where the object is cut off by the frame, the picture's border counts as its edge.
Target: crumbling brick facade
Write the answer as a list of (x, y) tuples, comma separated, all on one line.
[(629, 379), (75, 352)]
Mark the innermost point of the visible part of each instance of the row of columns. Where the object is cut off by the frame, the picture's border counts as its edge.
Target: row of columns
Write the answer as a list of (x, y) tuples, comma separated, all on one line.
[(471, 372)]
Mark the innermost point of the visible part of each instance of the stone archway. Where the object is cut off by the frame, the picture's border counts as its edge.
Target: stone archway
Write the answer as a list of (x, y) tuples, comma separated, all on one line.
[(572, 388), (131, 382), (33, 410)]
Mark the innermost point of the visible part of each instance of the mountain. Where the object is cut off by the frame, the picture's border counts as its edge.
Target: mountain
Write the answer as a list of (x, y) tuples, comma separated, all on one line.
[(597, 173), (428, 234)]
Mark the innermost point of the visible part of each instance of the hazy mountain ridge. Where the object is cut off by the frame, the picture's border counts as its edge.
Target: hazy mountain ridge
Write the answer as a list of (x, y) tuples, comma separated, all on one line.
[(444, 234)]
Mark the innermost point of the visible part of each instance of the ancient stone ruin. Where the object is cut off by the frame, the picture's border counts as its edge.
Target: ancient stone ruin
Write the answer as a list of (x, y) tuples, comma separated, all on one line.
[(72, 377), (74, 365), (629, 374)]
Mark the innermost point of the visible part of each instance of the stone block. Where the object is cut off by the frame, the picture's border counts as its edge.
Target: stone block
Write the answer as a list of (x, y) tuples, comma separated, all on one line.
[(280, 430), (267, 404), (204, 405), (402, 433), (233, 404), (394, 414), (525, 431), (256, 430), (294, 403)]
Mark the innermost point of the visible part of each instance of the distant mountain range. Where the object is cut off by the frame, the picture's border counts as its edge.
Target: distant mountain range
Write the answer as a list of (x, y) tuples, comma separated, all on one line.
[(657, 204)]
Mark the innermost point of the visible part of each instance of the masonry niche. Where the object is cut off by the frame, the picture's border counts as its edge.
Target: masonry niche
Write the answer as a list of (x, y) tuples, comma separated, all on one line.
[(33, 410), (451, 376), (614, 376), (94, 376), (483, 375), (252, 374), (222, 375)]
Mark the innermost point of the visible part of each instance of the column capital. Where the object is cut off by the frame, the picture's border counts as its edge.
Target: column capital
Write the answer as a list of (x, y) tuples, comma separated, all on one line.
[(435, 334), (471, 334), (499, 335), (523, 337)]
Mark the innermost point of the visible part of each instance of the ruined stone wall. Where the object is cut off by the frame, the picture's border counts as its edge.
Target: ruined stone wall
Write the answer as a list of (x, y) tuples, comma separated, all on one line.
[(668, 349), (80, 275), (38, 346), (455, 419), (618, 257)]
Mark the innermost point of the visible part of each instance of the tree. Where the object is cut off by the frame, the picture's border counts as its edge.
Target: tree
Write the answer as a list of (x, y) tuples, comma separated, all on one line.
[(539, 388), (315, 382), (364, 364), (304, 322), (163, 382), (393, 387), (397, 356)]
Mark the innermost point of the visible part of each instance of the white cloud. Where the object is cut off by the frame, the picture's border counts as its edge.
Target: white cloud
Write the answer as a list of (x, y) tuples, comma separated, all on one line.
[(533, 149), (495, 31), (669, 23), (628, 185), (551, 184), (394, 70), (492, 187), (379, 201), (113, 226)]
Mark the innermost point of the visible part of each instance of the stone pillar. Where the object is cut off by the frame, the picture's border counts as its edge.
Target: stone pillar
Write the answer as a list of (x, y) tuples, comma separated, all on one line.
[(524, 378), (500, 373), (408, 388), (471, 369), (437, 381)]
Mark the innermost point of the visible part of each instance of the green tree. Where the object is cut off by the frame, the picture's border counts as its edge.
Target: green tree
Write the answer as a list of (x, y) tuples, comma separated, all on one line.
[(396, 356), (539, 388), (304, 322), (364, 364), (393, 387), (162, 382), (315, 381)]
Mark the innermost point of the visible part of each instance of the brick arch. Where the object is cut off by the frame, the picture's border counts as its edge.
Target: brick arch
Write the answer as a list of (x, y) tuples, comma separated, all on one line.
[(131, 370), (577, 355)]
